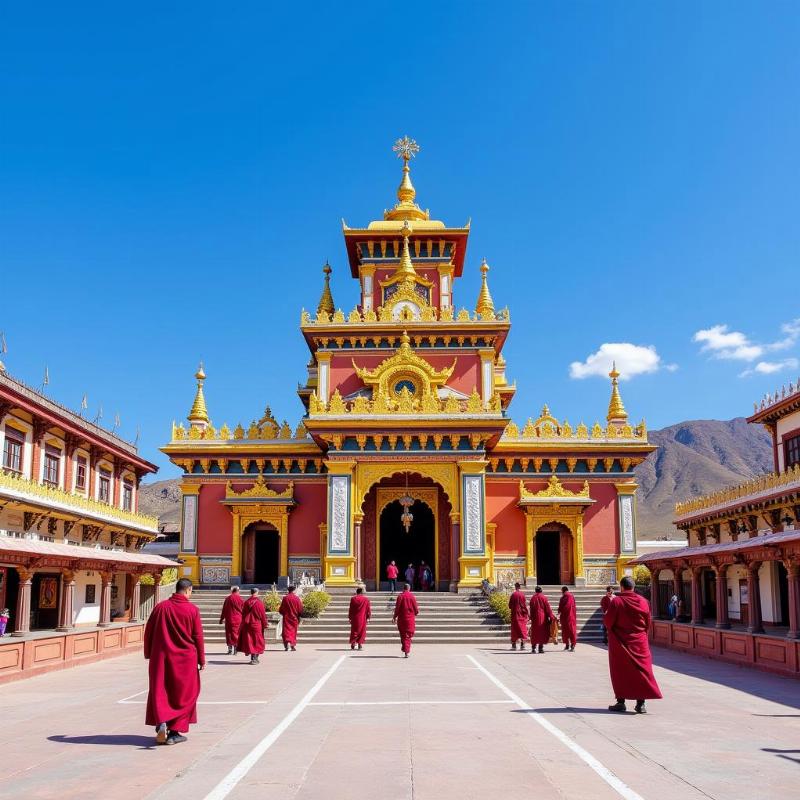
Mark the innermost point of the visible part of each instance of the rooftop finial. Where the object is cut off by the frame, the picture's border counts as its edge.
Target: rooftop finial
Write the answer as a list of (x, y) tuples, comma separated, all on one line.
[(406, 268), (198, 414), (485, 305), (406, 208), (616, 409), (326, 300)]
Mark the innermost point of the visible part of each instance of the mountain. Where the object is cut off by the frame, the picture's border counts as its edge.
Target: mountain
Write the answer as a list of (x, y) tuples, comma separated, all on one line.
[(694, 457), (163, 500)]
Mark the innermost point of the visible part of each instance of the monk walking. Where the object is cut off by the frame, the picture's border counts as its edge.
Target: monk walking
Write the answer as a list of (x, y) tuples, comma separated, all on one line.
[(541, 617), (359, 614), (518, 606), (405, 615), (254, 623), (290, 609), (231, 615), (173, 643), (627, 620), (567, 618)]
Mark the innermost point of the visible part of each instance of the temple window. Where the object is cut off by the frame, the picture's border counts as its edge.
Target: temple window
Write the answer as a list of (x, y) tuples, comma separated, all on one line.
[(12, 451), (80, 473), (104, 487), (51, 461), (127, 496), (792, 451)]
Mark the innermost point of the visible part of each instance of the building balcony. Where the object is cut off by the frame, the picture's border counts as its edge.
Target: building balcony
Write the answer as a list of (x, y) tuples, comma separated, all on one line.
[(15, 487), (755, 491)]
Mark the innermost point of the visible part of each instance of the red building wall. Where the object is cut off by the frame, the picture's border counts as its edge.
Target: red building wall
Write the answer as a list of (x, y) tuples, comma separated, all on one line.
[(305, 519), (502, 497), (600, 521), (214, 521)]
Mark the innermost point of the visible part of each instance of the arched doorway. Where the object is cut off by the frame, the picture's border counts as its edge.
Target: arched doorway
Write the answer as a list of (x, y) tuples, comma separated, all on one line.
[(414, 546), (553, 554), (261, 553)]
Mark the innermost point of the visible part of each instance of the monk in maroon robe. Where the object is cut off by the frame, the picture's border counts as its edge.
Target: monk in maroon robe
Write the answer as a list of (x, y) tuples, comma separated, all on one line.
[(567, 618), (173, 644), (518, 605), (254, 623), (627, 620), (290, 609), (604, 601), (359, 614), (231, 615), (541, 618), (405, 615)]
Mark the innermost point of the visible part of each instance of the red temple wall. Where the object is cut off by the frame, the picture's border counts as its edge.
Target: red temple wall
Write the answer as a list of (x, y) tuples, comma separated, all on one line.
[(502, 497), (214, 521), (305, 518), (600, 520)]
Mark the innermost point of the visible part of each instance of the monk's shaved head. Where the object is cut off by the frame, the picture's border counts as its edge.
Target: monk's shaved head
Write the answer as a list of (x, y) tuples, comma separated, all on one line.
[(626, 583), (359, 590), (538, 590), (254, 590), (183, 585), (234, 588)]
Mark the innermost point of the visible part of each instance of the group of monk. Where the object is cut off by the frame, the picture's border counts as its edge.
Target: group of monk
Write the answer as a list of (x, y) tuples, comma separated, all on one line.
[(246, 622), (542, 619), (173, 642)]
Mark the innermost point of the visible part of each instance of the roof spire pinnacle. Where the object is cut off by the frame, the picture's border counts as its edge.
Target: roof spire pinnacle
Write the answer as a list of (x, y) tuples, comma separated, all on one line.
[(198, 414), (406, 208), (616, 410), (326, 300), (406, 269), (485, 305)]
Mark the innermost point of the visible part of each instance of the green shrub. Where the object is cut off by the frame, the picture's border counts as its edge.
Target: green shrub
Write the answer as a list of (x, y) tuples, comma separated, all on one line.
[(169, 575), (272, 601), (498, 602), (641, 575), (314, 603)]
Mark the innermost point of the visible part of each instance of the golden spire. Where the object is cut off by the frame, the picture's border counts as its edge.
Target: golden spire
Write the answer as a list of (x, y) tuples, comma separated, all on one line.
[(326, 301), (616, 410), (406, 208), (406, 269), (485, 306), (198, 415)]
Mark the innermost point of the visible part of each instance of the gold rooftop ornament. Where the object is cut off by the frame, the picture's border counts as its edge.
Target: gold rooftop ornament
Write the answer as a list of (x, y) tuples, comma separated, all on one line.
[(198, 414), (326, 305), (406, 208), (616, 410), (485, 305)]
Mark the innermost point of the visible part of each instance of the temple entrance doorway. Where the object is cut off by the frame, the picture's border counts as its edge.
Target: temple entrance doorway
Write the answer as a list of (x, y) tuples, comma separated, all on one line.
[(261, 554), (553, 556), (415, 546)]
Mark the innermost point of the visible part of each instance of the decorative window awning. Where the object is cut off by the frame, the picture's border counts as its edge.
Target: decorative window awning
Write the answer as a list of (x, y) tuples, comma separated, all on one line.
[(555, 494), (259, 494)]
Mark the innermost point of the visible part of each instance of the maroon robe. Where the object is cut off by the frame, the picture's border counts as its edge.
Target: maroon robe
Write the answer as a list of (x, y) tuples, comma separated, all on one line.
[(627, 620), (567, 618), (173, 643), (231, 615), (405, 614), (541, 617), (254, 623), (519, 616), (291, 608), (359, 614)]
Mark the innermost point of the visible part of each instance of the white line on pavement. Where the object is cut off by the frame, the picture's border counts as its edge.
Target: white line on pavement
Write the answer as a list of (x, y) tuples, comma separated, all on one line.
[(131, 696), (229, 782), (412, 703), (622, 789)]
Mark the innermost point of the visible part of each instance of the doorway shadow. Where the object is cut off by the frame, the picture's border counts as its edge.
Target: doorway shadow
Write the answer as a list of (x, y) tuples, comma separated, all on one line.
[(119, 740)]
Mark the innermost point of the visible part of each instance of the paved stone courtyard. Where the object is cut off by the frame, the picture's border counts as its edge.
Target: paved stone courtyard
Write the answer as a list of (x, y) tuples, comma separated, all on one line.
[(450, 722)]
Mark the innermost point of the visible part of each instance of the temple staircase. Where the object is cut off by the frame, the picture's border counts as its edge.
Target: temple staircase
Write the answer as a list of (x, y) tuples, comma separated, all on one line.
[(463, 618)]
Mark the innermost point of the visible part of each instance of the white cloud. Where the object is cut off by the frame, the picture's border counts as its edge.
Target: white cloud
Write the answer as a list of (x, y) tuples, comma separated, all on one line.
[(631, 360), (768, 367), (721, 342)]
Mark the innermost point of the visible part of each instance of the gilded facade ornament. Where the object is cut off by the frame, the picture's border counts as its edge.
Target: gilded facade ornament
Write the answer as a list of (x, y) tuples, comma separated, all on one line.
[(485, 305), (198, 414), (474, 403), (406, 208), (554, 489), (325, 305), (259, 489), (616, 410)]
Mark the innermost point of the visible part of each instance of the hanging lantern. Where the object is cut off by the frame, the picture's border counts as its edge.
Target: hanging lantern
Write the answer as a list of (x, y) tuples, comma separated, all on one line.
[(406, 501)]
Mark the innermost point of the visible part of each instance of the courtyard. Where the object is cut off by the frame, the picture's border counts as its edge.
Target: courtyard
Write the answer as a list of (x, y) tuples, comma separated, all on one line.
[(450, 722)]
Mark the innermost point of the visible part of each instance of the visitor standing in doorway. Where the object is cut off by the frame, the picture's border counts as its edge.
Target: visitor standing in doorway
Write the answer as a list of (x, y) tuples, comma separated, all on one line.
[(410, 574), (425, 577), (391, 575)]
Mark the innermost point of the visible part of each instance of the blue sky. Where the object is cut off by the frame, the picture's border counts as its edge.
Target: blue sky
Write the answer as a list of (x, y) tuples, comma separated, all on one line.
[(172, 178)]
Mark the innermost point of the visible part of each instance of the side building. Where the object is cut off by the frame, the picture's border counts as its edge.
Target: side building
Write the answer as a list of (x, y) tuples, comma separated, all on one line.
[(71, 537), (739, 577)]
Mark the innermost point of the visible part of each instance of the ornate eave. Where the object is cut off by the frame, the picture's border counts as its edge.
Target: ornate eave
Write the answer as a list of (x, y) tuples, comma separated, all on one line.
[(554, 494), (259, 494)]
